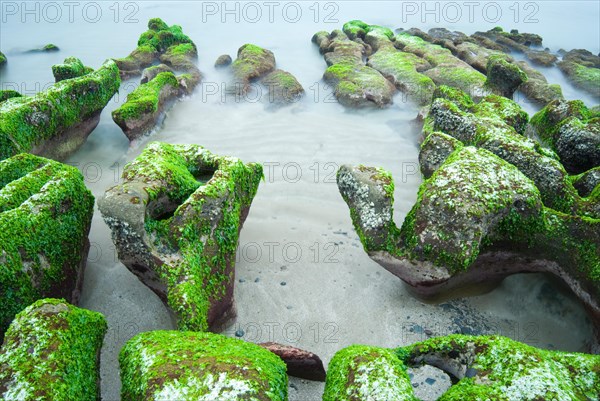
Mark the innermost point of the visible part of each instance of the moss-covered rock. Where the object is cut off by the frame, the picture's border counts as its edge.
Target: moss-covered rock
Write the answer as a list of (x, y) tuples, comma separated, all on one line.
[(52, 352), (361, 372), (176, 220), (71, 68), (151, 72), (447, 69), (582, 68), (520, 42), (283, 87), (45, 216), (536, 88), (223, 60), (45, 49), (54, 123), (586, 183), (152, 44), (498, 368), (252, 63), (573, 131), (147, 105), (8, 94), (190, 366), (478, 218), (2, 59), (503, 77), (435, 149)]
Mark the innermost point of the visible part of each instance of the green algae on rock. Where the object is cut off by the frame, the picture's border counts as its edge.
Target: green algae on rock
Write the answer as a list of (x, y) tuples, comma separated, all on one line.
[(582, 76), (498, 368), (45, 216), (283, 87), (54, 123), (71, 68), (146, 105), (6, 94), (175, 222), (2, 59), (191, 366), (572, 131), (361, 372), (252, 62), (52, 352), (504, 77)]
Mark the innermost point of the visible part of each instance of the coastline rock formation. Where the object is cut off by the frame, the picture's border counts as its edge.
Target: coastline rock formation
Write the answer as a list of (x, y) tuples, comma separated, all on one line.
[(482, 368), (71, 68), (52, 352), (145, 107), (190, 366), (45, 216), (56, 122), (572, 131), (583, 69), (495, 203), (175, 221)]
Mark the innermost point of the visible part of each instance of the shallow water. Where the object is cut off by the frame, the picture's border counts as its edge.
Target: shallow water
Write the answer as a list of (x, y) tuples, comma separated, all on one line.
[(302, 275)]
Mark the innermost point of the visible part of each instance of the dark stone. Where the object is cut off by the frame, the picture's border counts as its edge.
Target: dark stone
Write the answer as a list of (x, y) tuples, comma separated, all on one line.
[(300, 363)]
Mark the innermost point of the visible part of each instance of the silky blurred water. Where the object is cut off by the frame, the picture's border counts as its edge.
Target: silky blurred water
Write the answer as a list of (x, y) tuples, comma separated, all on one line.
[(302, 276)]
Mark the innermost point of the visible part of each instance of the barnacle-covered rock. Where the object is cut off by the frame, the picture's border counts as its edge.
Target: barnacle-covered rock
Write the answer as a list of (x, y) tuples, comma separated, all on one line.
[(45, 217), (175, 221), (52, 352), (54, 123), (191, 366)]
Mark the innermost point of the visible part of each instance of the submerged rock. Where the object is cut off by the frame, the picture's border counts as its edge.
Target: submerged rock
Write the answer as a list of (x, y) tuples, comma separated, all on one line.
[(223, 61), (45, 49), (52, 352), (45, 216), (71, 68), (355, 84), (479, 218), (160, 87), (283, 87), (582, 68), (146, 105), (252, 63), (175, 221), (50, 123), (300, 363), (573, 131), (361, 372), (189, 366)]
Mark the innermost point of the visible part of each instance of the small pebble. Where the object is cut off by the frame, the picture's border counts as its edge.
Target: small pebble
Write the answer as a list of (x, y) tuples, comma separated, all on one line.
[(242, 280), (429, 381), (239, 333), (289, 306), (256, 280), (283, 283)]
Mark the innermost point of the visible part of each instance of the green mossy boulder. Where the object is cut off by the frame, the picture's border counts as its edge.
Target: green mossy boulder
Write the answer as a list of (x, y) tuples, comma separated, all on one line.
[(176, 220), (45, 216), (361, 372), (191, 366), (498, 368), (52, 352), (2, 59), (252, 63), (587, 182), (8, 94), (283, 87), (54, 123), (152, 44), (572, 131), (146, 105), (536, 88), (71, 68), (503, 76)]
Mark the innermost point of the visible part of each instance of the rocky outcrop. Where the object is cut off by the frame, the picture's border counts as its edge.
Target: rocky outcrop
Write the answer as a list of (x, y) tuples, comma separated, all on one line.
[(536, 88), (361, 372), (283, 87), (498, 204), (146, 106), (504, 77), (299, 363), (572, 131), (71, 68), (45, 49), (252, 63), (587, 182), (355, 84), (189, 366), (175, 221), (45, 216), (582, 68), (223, 61), (52, 352), (8, 94), (50, 123)]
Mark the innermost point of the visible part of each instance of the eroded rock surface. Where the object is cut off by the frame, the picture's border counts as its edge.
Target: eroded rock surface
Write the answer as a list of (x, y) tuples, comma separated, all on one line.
[(175, 221), (45, 217)]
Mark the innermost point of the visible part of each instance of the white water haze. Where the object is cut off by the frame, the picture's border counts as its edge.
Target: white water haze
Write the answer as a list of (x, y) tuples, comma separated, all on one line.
[(302, 276)]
